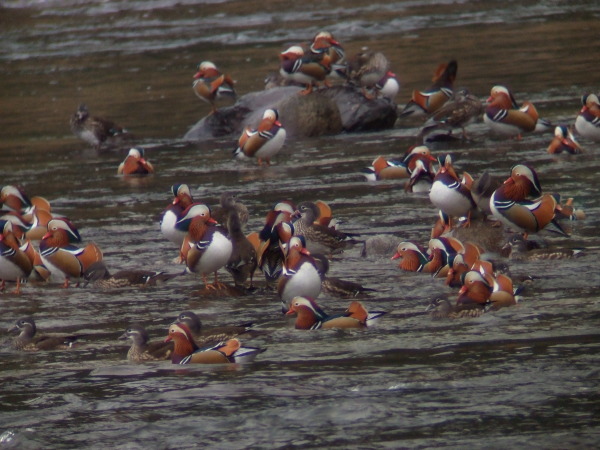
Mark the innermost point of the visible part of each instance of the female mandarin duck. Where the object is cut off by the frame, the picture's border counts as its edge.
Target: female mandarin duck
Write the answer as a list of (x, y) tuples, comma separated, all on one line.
[(300, 275), (310, 316), (460, 110), (94, 130), (587, 122), (504, 117), (244, 259), (28, 339), (382, 169), (182, 199), (211, 86), (521, 249), (207, 247), (319, 238), (564, 141), (212, 335), (371, 71), (63, 259), (450, 194), (186, 351), (15, 263), (304, 69), (142, 349), (511, 203), (135, 164), (277, 231), (428, 102), (264, 142)]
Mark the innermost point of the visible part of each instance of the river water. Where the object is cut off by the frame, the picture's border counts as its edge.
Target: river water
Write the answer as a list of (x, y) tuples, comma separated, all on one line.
[(526, 376)]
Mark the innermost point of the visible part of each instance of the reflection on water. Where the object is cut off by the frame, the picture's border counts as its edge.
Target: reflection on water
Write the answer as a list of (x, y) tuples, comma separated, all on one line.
[(516, 377)]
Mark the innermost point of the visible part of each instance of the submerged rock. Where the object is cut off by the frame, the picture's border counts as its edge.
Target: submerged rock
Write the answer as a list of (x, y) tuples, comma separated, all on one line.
[(324, 111)]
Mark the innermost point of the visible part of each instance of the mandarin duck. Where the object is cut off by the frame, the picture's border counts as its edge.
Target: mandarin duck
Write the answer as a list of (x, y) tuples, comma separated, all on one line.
[(505, 118), (413, 258), (100, 277), (264, 142), (15, 263), (28, 339), (371, 71), (428, 102), (521, 249), (227, 200), (382, 169), (182, 199), (135, 164), (300, 274), (460, 110), (319, 238), (336, 286), (31, 214), (421, 178), (244, 259), (310, 316), (587, 122), (511, 203), (449, 194), (207, 246), (63, 259), (324, 44), (94, 130), (211, 335), (273, 239), (483, 291), (305, 69), (212, 86), (186, 351), (142, 349), (564, 141), (442, 308)]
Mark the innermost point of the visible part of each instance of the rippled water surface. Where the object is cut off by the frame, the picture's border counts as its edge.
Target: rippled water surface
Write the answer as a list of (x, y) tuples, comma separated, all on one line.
[(523, 376)]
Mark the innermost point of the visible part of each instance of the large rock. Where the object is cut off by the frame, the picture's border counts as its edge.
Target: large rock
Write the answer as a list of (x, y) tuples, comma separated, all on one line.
[(324, 111)]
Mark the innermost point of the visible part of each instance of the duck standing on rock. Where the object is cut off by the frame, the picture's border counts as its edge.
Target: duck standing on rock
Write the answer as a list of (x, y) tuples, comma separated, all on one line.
[(371, 71), (305, 69), (211, 86), (264, 142)]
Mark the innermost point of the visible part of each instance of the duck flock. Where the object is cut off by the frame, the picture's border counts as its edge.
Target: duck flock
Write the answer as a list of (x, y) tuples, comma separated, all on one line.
[(291, 254)]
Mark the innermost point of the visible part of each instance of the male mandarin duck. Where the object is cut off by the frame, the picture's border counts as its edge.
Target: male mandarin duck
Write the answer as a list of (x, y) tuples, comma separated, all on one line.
[(436, 96), (511, 203), (382, 169), (135, 164), (29, 340), (414, 258), (486, 291), (324, 44), (421, 177), (305, 69), (181, 201), (212, 86), (207, 247), (300, 274), (371, 71), (32, 214), (450, 194), (276, 233), (460, 110), (243, 260), (186, 351), (504, 117), (15, 264), (94, 130), (14, 198), (319, 238), (142, 349), (310, 316), (61, 257), (211, 335), (264, 142), (587, 122), (564, 141)]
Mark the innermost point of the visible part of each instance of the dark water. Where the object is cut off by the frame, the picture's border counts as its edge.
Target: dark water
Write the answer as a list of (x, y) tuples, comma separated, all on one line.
[(523, 376)]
